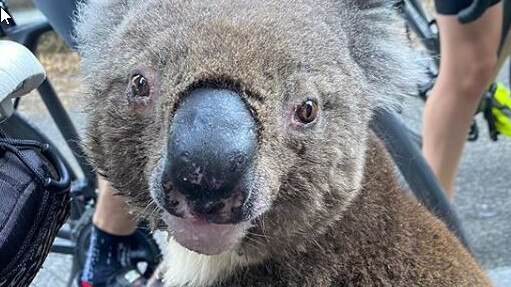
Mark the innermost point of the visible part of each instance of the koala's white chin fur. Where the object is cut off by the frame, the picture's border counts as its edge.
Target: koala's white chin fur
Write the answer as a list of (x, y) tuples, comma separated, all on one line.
[(188, 268)]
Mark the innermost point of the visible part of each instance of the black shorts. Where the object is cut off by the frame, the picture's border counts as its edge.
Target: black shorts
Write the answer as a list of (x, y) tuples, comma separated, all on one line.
[(452, 7)]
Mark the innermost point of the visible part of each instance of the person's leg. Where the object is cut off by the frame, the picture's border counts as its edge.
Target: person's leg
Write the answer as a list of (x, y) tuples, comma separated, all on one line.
[(110, 238), (111, 214), (468, 56)]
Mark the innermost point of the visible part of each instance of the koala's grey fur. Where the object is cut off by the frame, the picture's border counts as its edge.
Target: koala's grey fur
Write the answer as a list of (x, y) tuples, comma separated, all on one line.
[(333, 213)]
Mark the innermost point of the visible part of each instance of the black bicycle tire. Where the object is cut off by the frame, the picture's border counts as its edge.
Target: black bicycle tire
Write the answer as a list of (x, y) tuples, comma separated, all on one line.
[(415, 170)]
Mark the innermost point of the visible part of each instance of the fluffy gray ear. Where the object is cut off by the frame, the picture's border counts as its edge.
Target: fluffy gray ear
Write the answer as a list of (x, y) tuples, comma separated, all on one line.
[(95, 21), (380, 47)]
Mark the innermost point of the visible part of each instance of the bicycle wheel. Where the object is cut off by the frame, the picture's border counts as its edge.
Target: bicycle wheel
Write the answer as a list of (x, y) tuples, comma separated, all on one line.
[(415, 171), (423, 37)]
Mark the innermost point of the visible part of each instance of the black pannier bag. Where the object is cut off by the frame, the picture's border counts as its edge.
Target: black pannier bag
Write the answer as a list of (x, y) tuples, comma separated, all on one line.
[(34, 204)]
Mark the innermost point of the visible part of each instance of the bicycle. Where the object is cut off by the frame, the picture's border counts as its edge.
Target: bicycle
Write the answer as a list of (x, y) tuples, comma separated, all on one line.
[(83, 190), (494, 103), (74, 235)]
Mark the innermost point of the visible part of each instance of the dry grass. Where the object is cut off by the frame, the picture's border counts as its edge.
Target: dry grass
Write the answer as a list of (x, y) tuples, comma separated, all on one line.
[(56, 57), (20, 4)]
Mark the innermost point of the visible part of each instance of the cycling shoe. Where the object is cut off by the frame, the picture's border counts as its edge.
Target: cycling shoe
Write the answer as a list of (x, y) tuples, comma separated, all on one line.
[(124, 278)]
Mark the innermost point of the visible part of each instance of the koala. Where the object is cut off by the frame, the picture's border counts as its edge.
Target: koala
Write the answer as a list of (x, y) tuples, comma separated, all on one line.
[(242, 126)]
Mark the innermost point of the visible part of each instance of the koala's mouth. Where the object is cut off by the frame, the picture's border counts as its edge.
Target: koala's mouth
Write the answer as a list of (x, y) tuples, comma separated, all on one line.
[(204, 237), (210, 227), (203, 180)]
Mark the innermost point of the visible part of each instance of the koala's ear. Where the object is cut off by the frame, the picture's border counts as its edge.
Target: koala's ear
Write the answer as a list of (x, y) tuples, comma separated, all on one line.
[(96, 20), (380, 47)]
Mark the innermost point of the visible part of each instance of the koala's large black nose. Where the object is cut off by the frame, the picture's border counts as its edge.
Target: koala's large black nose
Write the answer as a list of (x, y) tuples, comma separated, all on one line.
[(211, 144)]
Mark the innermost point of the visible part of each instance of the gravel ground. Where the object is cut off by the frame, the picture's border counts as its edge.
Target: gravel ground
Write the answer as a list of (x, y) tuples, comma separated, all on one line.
[(483, 193)]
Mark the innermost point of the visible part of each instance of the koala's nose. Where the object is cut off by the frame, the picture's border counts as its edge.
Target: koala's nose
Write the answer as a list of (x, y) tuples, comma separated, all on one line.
[(211, 144)]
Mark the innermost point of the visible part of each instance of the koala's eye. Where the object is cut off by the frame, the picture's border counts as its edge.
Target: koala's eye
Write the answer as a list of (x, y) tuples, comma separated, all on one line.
[(140, 86), (307, 111)]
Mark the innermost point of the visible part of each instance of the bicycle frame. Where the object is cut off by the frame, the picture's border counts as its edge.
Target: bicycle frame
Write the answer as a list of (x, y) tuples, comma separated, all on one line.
[(83, 188), (416, 17)]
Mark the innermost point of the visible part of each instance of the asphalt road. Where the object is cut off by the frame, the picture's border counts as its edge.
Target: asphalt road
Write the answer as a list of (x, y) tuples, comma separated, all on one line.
[(483, 200)]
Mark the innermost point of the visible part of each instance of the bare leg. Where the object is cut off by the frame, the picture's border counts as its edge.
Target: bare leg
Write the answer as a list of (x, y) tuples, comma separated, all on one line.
[(110, 238), (468, 56), (111, 214)]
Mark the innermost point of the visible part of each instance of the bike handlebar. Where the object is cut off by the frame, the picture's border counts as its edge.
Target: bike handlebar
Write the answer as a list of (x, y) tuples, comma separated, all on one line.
[(474, 11)]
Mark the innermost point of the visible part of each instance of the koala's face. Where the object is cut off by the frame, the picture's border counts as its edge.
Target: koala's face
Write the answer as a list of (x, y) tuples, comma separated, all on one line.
[(243, 122)]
